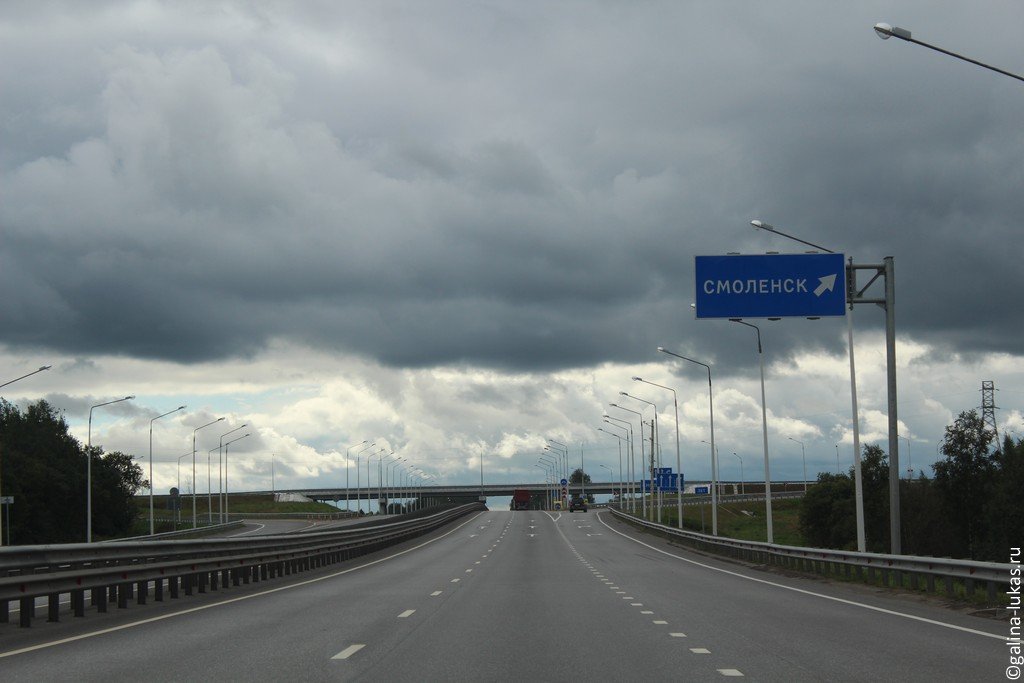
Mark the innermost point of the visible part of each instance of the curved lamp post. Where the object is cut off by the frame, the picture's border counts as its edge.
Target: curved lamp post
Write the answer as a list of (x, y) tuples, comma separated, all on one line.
[(764, 432), (225, 515), (195, 517), (886, 31), (347, 468), (803, 457), (643, 498), (602, 429), (714, 456), (169, 412), (220, 479), (655, 451), (742, 477), (855, 416), (630, 457), (679, 461), (88, 468), (45, 367)]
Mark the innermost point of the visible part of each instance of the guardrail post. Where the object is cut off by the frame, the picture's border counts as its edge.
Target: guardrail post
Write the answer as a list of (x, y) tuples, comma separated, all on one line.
[(28, 608), (949, 585), (124, 591), (142, 590), (969, 587), (213, 579), (53, 607), (78, 602), (99, 598), (5, 612), (990, 587), (158, 590)]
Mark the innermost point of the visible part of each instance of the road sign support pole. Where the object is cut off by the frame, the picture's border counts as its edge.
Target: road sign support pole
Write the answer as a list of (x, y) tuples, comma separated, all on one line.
[(890, 368), (888, 302), (857, 478)]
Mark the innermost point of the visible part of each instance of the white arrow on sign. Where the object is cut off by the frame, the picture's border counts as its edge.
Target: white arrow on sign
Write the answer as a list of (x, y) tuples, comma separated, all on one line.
[(827, 284)]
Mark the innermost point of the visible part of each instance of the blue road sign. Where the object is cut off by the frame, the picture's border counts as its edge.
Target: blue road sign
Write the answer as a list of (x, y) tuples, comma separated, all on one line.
[(701, 490), (664, 482), (565, 482), (770, 286)]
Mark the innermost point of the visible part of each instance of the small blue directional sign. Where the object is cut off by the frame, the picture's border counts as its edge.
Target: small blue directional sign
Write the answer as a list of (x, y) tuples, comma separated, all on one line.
[(665, 481), (565, 482), (771, 286), (701, 490)]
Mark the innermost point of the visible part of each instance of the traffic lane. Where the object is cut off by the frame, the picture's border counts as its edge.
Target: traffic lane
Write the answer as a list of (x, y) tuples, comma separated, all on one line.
[(791, 626), (538, 612), (273, 631)]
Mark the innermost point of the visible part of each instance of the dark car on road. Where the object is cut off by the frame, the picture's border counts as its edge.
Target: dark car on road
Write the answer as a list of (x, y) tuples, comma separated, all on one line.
[(578, 503)]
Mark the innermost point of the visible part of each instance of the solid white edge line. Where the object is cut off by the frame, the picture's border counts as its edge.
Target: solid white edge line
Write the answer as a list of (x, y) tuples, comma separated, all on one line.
[(811, 593), (190, 610)]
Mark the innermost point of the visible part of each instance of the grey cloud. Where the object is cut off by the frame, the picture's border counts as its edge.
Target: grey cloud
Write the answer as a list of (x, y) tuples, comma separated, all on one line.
[(528, 195)]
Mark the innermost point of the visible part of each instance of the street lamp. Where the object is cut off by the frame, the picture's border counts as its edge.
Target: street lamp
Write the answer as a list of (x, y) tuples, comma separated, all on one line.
[(643, 498), (547, 480), (45, 367), (611, 472), (195, 517), (220, 478), (855, 416), (630, 457), (177, 500), (910, 468), (358, 494), (886, 31), (391, 478), (347, 468), (655, 448), (742, 478), (225, 516), (679, 461), (564, 451), (602, 429), (34, 372), (714, 456), (556, 465), (764, 432), (88, 467), (169, 412), (803, 456)]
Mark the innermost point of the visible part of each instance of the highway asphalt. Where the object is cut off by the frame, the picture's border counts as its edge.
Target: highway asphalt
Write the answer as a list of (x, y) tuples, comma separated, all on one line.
[(503, 596)]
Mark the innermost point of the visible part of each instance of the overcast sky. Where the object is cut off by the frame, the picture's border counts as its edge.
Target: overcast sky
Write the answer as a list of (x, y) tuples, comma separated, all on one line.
[(460, 228)]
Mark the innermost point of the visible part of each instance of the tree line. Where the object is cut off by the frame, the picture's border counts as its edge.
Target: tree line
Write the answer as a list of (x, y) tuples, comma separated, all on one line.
[(971, 508), (44, 468)]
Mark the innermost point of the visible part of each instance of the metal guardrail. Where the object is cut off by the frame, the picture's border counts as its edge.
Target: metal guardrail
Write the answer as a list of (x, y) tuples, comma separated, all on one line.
[(115, 572), (868, 567)]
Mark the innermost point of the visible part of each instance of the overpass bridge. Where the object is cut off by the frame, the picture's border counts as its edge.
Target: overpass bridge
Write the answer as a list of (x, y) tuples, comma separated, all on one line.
[(334, 494)]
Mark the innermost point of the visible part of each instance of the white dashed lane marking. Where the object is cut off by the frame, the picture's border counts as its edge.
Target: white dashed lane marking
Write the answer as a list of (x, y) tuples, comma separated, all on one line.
[(349, 651)]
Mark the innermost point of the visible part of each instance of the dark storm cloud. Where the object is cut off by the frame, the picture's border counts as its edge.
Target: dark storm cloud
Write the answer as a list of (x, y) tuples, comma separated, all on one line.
[(525, 191)]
